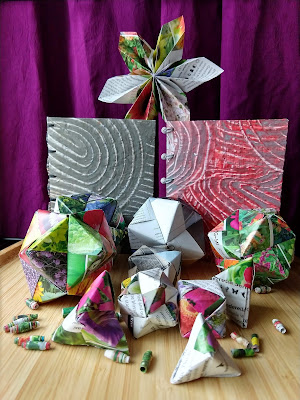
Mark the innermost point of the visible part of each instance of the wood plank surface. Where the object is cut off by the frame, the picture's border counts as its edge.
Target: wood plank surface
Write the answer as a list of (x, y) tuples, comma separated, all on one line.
[(79, 372)]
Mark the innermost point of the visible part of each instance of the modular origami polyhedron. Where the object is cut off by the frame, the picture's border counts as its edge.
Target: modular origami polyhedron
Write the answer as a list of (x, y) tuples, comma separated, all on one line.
[(93, 322), (148, 302), (170, 223), (155, 257), (205, 297), (259, 236), (63, 254)]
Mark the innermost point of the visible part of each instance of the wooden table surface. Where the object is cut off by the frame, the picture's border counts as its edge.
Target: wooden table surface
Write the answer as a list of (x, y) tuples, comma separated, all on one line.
[(80, 372)]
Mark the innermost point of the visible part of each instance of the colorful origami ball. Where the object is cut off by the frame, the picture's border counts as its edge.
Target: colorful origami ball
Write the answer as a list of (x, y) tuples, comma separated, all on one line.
[(205, 297), (203, 357), (148, 302), (62, 254), (259, 236), (171, 223), (155, 257), (91, 201), (93, 322)]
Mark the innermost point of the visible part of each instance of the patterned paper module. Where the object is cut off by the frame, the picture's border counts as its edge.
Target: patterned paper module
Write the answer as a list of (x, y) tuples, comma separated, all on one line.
[(220, 166)]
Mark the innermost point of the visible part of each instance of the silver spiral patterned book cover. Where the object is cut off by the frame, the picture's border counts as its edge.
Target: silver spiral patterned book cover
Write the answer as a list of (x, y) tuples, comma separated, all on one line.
[(110, 157)]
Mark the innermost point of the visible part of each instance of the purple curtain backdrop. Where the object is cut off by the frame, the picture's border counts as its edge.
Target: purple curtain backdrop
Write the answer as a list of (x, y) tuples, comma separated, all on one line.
[(57, 55)]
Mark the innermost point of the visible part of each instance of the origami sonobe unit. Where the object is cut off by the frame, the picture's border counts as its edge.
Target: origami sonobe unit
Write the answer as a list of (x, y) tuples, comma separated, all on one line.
[(63, 254), (155, 257), (170, 223), (148, 302), (257, 237), (205, 297)]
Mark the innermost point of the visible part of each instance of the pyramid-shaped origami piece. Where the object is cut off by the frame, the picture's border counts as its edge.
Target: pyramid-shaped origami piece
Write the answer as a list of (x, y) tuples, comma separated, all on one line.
[(91, 201), (257, 235), (171, 223), (158, 78), (63, 254), (236, 283), (155, 257), (203, 357), (93, 321), (205, 297), (148, 302)]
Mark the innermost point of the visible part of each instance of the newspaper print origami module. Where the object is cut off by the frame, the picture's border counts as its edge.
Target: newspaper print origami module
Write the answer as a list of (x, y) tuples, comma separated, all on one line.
[(163, 222), (257, 237), (203, 357), (158, 78), (155, 257), (62, 254), (220, 166), (148, 302)]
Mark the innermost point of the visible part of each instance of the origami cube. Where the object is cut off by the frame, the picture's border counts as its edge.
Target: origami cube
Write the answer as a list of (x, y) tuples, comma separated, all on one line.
[(171, 223), (259, 236), (148, 302), (93, 322), (203, 357), (62, 254), (205, 297), (90, 201), (155, 257)]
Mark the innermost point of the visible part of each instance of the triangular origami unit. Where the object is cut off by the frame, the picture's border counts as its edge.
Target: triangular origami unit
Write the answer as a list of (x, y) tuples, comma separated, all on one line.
[(163, 222), (148, 302), (155, 257), (62, 254), (93, 321), (236, 283), (260, 235), (205, 297), (90, 201), (203, 357), (159, 78)]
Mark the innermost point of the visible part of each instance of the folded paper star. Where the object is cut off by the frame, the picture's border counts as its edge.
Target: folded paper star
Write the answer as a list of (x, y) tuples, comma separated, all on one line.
[(205, 297), (159, 78), (148, 302), (93, 322), (62, 254), (156, 257), (170, 223), (259, 236), (203, 357)]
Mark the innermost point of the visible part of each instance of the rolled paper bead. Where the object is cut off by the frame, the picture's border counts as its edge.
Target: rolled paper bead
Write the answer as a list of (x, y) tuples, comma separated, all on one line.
[(66, 311), (16, 322), (31, 345), (146, 360), (239, 353), (255, 342), (117, 356), (278, 325), (34, 338), (241, 340), (262, 289), (24, 327), (31, 317), (119, 316), (32, 304)]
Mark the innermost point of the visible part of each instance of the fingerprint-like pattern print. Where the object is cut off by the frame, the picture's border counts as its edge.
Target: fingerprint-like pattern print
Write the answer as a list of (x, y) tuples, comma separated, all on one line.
[(111, 157), (220, 166)]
